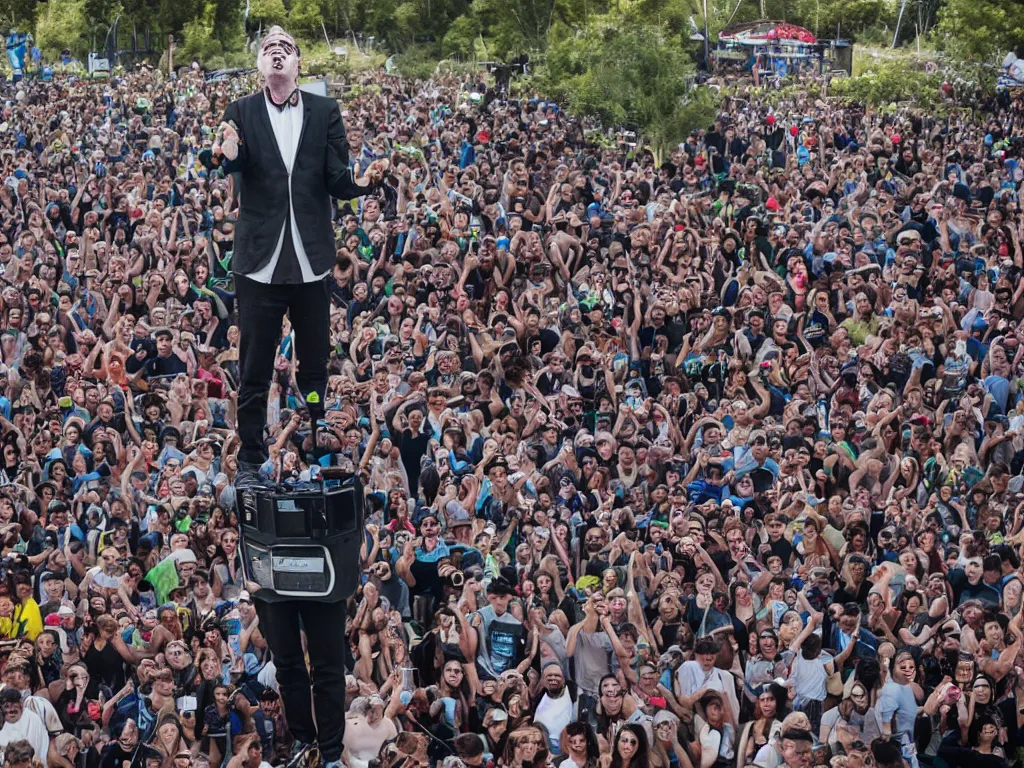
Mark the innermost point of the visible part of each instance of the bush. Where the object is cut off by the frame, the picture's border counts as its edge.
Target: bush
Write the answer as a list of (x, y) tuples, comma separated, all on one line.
[(887, 83), (417, 61)]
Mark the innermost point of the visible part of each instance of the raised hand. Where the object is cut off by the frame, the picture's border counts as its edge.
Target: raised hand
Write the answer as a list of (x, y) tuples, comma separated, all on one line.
[(227, 141)]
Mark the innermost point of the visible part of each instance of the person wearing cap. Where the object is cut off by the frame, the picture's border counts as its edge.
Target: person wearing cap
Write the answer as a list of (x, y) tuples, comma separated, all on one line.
[(796, 746), (247, 752), (968, 584), (494, 725), (498, 642), (17, 675), (699, 676)]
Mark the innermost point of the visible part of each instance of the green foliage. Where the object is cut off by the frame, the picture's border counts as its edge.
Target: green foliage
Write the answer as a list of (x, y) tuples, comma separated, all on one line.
[(267, 12), (629, 74), (417, 61), (460, 40), (981, 30), (888, 83), (305, 17), (62, 24), (216, 38), (851, 17)]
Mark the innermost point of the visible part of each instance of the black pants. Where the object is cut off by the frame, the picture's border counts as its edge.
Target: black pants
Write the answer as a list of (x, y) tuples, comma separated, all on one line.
[(324, 624), (261, 309)]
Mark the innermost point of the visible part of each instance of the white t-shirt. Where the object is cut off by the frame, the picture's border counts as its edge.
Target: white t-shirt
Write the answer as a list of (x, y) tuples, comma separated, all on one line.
[(555, 714), (363, 741), (809, 677), (30, 728), (691, 678), (868, 725)]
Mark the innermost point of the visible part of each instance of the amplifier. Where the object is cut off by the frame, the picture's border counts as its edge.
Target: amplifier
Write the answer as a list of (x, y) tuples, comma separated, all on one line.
[(302, 543)]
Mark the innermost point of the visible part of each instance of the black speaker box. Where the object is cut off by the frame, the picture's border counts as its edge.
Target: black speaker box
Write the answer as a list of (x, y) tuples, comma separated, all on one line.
[(303, 543)]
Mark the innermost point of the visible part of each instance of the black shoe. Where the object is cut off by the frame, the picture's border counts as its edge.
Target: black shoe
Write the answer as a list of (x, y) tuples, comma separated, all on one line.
[(303, 756), (247, 476)]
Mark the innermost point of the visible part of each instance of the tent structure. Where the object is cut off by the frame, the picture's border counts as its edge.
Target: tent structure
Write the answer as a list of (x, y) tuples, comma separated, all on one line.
[(768, 48), (760, 33)]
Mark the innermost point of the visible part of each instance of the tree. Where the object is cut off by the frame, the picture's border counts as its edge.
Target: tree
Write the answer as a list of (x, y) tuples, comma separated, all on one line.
[(981, 30), (629, 74), (62, 24), (460, 40), (305, 16), (267, 12), (216, 37)]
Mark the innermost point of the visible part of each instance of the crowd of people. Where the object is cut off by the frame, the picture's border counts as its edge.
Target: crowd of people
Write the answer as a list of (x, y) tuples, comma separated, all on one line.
[(706, 461)]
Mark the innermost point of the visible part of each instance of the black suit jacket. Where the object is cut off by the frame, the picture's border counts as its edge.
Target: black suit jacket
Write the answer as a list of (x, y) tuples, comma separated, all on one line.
[(320, 172)]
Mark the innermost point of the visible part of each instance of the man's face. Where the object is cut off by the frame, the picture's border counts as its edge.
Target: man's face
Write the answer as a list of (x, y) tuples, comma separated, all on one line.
[(54, 589), (737, 544), (796, 754), (12, 711), (16, 678), (278, 61), (553, 679), (973, 570), (905, 668), (499, 603), (847, 623)]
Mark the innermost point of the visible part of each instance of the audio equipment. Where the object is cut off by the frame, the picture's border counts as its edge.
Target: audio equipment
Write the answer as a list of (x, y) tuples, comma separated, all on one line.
[(302, 541)]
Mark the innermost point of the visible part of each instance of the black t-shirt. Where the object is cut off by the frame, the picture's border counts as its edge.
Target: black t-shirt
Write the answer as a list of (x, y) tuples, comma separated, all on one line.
[(412, 448), (165, 366), (548, 340), (783, 548), (106, 665), (114, 756)]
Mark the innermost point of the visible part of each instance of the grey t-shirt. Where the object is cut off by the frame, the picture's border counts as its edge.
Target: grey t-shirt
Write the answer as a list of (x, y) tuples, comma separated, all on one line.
[(593, 660), (898, 700)]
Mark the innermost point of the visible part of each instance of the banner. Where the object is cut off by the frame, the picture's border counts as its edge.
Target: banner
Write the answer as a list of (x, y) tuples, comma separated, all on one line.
[(16, 49)]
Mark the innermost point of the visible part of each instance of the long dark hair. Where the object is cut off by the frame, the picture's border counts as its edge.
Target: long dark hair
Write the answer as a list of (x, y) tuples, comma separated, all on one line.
[(641, 758), (582, 728)]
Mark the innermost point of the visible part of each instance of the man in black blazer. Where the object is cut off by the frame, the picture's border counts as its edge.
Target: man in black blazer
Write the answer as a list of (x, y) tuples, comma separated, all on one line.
[(291, 154)]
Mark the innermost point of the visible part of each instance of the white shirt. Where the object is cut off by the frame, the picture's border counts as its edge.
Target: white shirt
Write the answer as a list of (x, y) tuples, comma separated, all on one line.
[(287, 125), (691, 678), (30, 728), (554, 714), (809, 677)]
